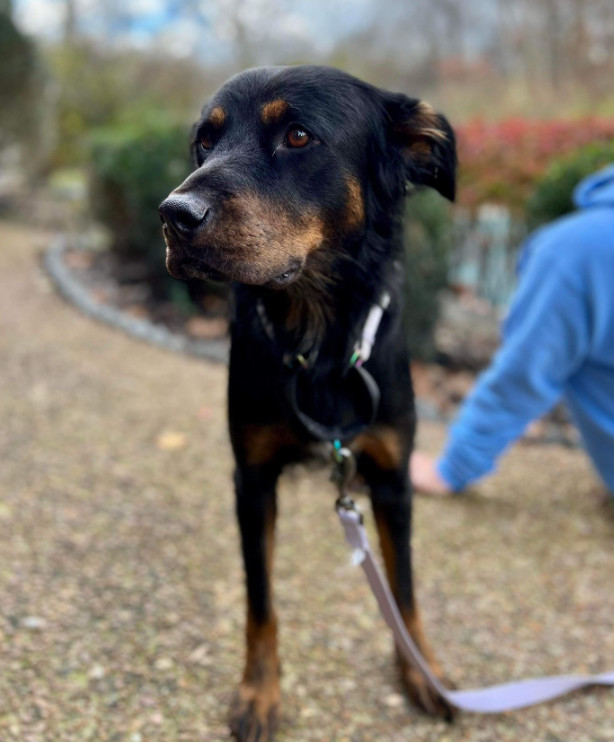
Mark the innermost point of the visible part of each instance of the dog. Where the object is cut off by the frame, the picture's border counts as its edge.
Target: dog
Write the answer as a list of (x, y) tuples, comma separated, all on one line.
[(297, 199)]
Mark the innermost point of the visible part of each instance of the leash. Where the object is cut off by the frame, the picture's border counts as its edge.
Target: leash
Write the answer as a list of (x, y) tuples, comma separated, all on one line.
[(490, 700)]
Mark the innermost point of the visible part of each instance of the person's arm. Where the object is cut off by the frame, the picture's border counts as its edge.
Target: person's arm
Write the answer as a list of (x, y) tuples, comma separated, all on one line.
[(546, 339)]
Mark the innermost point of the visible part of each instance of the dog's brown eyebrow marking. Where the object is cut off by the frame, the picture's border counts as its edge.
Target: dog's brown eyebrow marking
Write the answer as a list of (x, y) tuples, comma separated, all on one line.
[(217, 117), (273, 110)]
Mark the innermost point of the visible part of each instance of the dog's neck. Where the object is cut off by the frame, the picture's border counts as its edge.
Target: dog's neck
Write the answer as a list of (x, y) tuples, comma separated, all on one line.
[(327, 306)]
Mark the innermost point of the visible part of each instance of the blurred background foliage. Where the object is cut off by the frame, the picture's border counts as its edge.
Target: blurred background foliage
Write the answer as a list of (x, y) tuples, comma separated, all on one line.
[(130, 166), (552, 194), (502, 161), (103, 93), (428, 243)]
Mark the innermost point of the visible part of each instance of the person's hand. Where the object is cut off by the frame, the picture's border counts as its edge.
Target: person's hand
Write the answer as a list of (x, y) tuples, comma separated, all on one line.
[(424, 476)]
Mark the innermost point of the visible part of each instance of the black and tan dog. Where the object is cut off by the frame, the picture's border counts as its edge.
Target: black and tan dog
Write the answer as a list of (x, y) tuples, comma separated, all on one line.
[(297, 197)]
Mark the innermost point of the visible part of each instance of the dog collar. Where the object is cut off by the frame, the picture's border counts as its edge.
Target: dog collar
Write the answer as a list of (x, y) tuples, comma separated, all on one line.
[(359, 388), (306, 359)]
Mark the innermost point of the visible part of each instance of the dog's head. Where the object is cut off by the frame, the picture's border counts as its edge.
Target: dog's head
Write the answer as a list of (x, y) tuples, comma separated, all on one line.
[(290, 160)]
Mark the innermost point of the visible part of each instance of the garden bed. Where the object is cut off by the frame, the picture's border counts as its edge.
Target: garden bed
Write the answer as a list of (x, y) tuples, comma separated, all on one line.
[(127, 287)]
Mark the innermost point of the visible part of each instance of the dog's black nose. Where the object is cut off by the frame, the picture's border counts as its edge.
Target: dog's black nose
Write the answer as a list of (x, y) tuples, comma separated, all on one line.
[(183, 213)]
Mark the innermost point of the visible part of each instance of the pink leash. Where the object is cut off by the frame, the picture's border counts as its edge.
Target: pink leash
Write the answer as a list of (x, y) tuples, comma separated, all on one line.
[(492, 700)]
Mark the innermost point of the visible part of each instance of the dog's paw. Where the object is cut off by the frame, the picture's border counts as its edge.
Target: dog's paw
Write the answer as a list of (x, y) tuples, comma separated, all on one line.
[(424, 697), (254, 712)]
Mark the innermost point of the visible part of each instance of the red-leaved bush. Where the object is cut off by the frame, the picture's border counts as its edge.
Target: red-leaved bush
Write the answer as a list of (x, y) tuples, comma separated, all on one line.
[(500, 162)]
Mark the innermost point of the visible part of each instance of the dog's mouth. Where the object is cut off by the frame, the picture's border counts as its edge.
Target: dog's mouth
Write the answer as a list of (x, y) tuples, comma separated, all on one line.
[(185, 261), (281, 280)]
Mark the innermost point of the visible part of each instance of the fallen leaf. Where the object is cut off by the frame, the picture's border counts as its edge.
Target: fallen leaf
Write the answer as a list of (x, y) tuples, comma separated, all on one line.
[(394, 700), (171, 440)]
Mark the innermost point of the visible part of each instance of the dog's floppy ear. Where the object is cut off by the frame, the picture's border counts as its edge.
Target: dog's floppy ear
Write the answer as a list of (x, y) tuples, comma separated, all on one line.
[(422, 142)]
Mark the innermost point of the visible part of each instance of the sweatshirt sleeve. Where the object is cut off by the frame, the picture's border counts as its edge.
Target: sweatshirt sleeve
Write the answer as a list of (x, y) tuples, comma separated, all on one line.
[(545, 339)]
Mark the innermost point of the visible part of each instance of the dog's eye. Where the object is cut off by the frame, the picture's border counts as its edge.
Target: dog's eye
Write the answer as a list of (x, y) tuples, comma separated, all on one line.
[(205, 141), (297, 137)]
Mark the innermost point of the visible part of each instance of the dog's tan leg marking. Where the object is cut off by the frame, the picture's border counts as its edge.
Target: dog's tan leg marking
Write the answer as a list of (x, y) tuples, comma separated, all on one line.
[(382, 445), (254, 712), (262, 442), (413, 681)]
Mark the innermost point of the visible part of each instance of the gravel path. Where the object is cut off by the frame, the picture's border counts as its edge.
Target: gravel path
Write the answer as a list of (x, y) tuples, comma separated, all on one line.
[(121, 599)]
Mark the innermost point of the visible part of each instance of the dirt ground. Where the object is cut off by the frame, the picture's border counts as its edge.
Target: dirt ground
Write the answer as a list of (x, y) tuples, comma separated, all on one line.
[(121, 596)]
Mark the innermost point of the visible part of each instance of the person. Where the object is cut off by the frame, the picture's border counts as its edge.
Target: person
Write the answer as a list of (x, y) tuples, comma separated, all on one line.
[(558, 342)]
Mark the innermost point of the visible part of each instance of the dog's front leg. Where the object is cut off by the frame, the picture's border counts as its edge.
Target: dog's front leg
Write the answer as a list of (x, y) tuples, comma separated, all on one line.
[(391, 499), (255, 709)]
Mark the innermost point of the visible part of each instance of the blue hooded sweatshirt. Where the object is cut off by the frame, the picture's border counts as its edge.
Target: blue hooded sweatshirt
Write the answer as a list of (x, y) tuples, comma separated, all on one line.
[(558, 341)]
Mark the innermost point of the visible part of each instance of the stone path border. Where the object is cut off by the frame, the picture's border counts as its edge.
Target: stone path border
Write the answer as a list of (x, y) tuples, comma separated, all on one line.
[(75, 292)]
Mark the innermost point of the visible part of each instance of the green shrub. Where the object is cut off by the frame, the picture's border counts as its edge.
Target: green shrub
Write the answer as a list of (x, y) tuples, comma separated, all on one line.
[(428, 240), (132, 169), (552, 196), (99, 86)]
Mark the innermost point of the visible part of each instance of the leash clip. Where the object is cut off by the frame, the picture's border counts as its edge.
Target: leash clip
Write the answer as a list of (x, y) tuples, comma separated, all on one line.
[(344, 469)]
